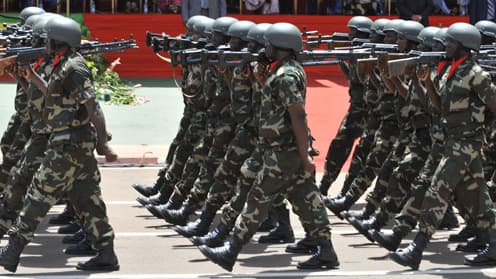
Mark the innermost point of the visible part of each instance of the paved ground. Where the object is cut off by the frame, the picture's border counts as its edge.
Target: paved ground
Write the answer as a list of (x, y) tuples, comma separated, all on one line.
[(149, 248)]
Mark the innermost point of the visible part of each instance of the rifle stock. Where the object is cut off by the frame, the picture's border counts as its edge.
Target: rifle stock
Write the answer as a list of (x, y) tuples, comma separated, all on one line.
[(399, 66), (365, 66), (383, 59)]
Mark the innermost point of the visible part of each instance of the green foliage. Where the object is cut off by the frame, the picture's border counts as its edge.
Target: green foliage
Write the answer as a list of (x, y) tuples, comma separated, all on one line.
[(108, 85)]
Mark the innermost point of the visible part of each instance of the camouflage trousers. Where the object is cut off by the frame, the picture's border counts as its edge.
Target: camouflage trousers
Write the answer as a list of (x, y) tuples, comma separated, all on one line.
[(385, 138), (224, 133), (191, 137), (375, 197), (340, 147), (361, 152), (21, 177), (282, 173), (226, 175), (399, 186), (183, 127), (407, 219), (9, 134), (67, 169), (249, 170), (14, 153), (461, 158)]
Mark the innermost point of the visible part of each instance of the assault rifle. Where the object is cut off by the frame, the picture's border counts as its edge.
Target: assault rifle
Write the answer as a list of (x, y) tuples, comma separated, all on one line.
[(399, 66), (115, 46), (335, 36), (365, 66), (20, 57), (333, 44)]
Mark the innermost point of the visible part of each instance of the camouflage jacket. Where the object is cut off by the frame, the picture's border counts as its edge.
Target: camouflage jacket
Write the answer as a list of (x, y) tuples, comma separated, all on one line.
[(285, 85), (36, 99), (417, 110), (464, 95), (21, 103), (241, 97), (192, 88), (69, 87)]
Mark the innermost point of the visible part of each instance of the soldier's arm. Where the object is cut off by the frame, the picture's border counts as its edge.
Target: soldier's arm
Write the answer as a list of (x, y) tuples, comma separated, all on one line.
[(28, 73), (79, 84), (400, 87), (344, 69), (300, 130), (481, 84), (429, 86), (419, 90)]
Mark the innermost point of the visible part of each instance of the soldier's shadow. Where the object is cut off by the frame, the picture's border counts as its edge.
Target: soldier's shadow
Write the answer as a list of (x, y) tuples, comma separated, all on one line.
[(266, 261)]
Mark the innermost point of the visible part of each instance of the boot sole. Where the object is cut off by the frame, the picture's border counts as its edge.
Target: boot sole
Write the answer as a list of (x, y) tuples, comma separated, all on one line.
[(205, 251), (383, 243), (491, 263), (80, 253), (99, 268), (302, 251), (400, 261), (320, 267)]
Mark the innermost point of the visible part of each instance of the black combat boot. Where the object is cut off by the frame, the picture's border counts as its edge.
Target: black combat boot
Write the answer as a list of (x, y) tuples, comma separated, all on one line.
[(388, 240), (412, 255), (339, 205), (10, 254), (159, 198), (479, 242), (150, 190), (450, 221), (224, 256), (324, 258), (487, 256), (71, 228), (373, 223), (283, 233), (63, 218), (215, 238), (82, 248), (307, 245), (180, 216), (325, 184), (105, 260), (200, 226), (467, 232), (75, 238), (175, 201), (269, 223), (362, 214)]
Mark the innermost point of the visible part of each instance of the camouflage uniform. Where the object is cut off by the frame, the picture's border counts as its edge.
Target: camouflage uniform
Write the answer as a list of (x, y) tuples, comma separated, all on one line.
[(19, 128), (366, 143), (464, 93), (282, 169), (350, 129), (69, 166), (242, 144), (33, 153), (223, 132), (412, 160), (384, 142)]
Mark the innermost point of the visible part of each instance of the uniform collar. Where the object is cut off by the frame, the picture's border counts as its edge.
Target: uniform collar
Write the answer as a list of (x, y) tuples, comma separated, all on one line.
[(455, 64), (58, 56)]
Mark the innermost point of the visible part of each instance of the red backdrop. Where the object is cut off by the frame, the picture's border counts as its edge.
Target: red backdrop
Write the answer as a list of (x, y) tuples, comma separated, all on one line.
[(143, 63)]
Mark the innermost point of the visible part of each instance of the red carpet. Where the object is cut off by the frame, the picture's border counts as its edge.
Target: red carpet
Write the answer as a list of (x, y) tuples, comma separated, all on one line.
[(143, 63)]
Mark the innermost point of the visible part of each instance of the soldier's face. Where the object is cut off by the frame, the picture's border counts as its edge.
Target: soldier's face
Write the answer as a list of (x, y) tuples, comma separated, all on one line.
[(195, 36), (353, 33), (270, 52), (235, 43), (402, 43), (218, 39), (438, 47), (452, 48), (391, 37), (376, 38), (423, 47)]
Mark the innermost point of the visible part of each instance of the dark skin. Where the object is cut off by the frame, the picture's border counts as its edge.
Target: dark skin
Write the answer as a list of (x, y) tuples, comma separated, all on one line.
[(94, 110), (404, 45), (297, 114)]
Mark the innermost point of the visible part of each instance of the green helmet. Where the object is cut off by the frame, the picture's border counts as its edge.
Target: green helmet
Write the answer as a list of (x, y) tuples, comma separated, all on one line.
[(29, 11), (361, 23), (410, 30), (192, 20), (393, 25), (201, 25), (65, 30), (39, 28), (240, 29), (486, 27), (222, 24), (379, 25), (441, 36), (426, 36), (257, 32), (465, 34), (284, 35), (32, 20)]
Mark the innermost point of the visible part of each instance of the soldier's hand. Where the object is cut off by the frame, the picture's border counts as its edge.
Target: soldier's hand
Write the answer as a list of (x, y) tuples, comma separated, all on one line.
[(260, 72), (309, 165), (410, 70), (26, 72), (423, 72)]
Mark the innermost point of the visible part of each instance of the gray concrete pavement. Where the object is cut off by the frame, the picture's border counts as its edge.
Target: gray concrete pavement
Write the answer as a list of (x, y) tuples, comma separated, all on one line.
[(149, 248)]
